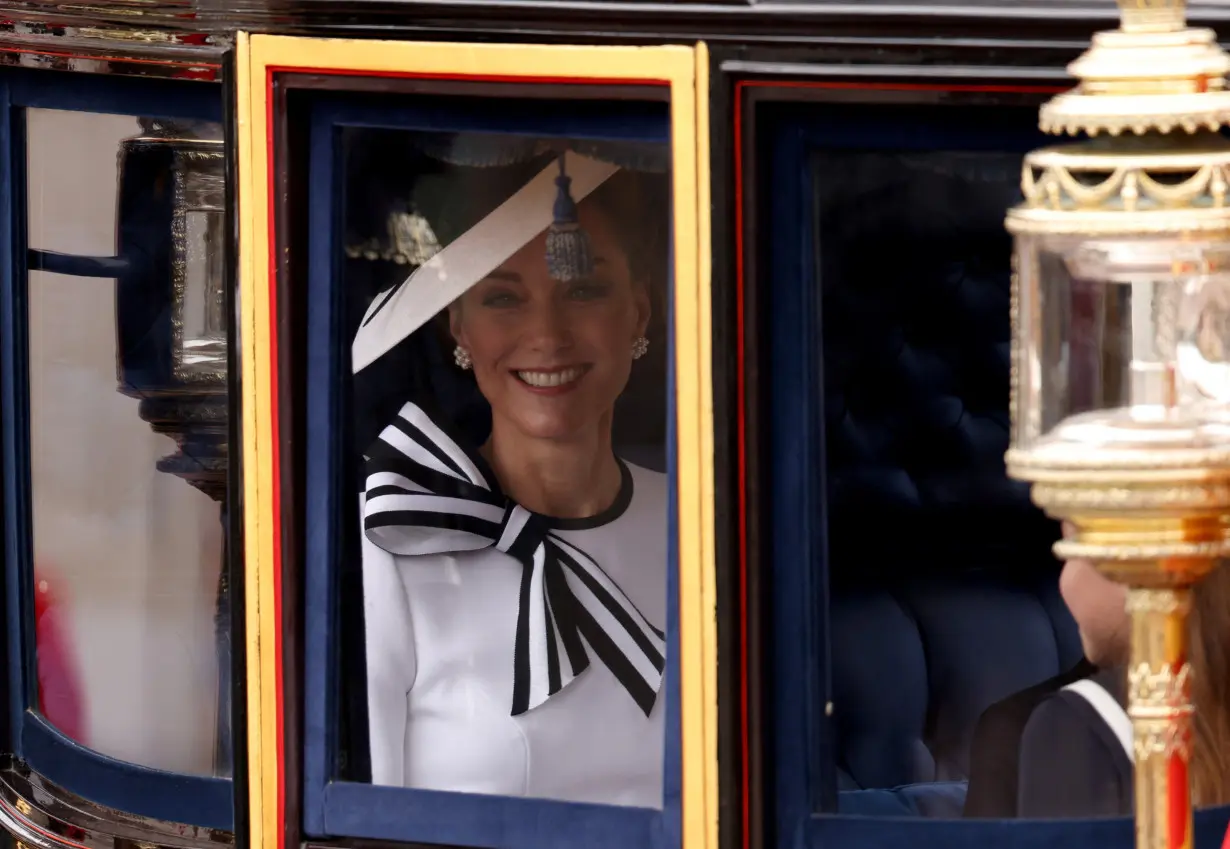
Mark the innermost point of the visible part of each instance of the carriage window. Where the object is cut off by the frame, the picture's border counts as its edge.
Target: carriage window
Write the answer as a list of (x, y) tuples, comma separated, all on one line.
[(489, 488), (127, 435), (916, 344), (937, 569), (116, 432), (505, 311)]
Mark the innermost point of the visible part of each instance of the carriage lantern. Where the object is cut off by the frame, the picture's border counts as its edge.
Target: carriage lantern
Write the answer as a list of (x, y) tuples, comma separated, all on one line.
[(1121, 354)]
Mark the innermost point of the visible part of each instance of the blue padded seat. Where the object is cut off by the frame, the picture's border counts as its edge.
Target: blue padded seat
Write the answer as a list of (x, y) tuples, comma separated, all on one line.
[(943, 592), (937, 800), (913, 669)]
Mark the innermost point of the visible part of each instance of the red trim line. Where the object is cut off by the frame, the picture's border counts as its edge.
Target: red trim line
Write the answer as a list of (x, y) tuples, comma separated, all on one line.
[(35, 827), (741, 441), (271, 73), (483, 78), (741, 356), (276, 495)]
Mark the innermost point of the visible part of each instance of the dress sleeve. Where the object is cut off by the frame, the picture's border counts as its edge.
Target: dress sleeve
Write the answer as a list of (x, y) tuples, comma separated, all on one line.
[(390, 663), (1068, 768)]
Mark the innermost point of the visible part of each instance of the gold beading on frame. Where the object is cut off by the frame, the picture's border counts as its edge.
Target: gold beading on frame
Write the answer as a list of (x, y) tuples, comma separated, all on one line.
[(1088, 191), (1165, 602)]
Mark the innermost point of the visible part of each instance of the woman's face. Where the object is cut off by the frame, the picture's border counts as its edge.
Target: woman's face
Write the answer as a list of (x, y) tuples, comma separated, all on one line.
[(1099, 606), (551, 358)]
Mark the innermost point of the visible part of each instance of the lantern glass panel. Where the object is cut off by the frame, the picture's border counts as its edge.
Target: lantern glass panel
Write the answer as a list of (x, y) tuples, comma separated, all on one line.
[(1118, 337), (200, 258)]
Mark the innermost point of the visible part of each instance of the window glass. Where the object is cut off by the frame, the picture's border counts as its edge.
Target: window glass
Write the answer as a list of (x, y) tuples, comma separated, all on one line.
[(128, 415), (505, 302), (73, 149), (950, 641)]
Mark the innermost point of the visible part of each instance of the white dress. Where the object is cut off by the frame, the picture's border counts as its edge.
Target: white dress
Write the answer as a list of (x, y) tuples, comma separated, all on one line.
[(440, 636)]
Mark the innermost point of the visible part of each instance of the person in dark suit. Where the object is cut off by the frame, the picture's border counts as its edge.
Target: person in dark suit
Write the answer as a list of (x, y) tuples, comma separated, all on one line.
[(1007, 779), (996, 748), (1063, 748)]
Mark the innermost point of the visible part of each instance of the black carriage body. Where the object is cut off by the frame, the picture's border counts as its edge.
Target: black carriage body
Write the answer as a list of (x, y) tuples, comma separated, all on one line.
[(875, 571)]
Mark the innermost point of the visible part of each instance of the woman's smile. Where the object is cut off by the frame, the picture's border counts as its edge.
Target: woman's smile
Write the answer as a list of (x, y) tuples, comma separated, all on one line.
[(555, 381)]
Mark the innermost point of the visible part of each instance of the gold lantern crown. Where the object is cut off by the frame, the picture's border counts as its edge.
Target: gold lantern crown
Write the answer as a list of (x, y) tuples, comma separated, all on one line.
[(1154, 73)]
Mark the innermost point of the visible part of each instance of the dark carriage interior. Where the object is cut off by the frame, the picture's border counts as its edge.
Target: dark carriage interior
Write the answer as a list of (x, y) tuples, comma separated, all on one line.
[(943, 591)]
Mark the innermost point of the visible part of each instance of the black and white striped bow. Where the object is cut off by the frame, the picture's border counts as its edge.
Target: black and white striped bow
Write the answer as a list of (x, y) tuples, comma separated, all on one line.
[(426, 495)]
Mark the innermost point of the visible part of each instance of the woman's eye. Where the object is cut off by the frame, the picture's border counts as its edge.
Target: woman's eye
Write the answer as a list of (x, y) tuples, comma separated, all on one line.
[(588, 291), (500, 300)]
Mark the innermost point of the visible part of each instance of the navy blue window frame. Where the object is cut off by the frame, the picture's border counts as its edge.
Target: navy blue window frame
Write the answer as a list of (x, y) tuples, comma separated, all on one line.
[(193, 800), (804, 775), (336, 808)]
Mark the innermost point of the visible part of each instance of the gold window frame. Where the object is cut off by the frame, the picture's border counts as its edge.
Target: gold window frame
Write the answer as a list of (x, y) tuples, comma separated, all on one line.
[(685, 70)]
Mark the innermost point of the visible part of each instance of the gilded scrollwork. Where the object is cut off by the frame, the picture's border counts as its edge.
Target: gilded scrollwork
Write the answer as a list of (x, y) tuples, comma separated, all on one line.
[(1164, 738), (1157, 689), (1136, 183), (1159, 703)]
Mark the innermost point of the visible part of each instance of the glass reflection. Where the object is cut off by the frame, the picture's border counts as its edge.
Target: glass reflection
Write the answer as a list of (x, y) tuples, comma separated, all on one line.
[(509, 403), (125, 225), (1127, 333)]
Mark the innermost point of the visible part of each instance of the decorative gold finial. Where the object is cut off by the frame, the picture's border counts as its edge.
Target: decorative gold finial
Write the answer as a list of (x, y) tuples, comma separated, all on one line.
[(1154, 74), (1153, 15)]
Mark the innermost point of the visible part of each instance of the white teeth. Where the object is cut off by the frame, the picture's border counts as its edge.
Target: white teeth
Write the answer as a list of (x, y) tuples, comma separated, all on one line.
[(550, 378)]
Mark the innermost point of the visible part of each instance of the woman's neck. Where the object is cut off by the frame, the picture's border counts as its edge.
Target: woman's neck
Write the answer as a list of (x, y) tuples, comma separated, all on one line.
[(564, 479)]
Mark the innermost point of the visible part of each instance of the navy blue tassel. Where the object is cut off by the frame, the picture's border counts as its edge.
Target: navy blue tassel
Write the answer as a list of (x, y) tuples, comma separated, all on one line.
[(569, 256)]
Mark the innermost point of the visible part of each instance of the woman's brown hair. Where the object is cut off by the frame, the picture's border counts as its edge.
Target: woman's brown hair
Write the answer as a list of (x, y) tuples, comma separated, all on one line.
[(1209, 654)]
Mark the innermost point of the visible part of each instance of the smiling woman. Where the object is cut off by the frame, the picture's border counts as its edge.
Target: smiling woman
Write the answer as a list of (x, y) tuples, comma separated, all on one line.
[(514, 555)]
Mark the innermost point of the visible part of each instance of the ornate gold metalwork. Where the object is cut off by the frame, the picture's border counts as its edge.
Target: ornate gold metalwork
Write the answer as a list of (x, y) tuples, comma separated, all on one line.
[(1149, 496), (1152, 74), (1160, 707), (1179, 184)]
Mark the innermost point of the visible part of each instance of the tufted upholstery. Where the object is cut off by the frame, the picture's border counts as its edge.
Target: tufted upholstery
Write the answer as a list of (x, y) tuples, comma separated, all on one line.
[(944, 595), (915, 665)]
